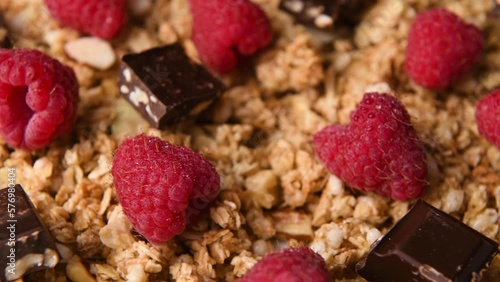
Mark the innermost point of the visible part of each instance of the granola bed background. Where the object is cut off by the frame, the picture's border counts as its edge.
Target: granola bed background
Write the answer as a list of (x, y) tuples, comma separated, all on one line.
[(258, 134)]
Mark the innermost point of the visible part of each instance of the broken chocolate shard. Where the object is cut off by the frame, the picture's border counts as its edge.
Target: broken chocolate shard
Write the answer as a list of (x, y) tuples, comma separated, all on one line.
[(26, 245), (428, 245), (165, 86), (324, 14)]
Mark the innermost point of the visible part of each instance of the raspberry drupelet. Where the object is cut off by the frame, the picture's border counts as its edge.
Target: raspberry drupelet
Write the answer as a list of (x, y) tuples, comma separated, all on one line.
[(38, 98), (378, 151), (162, 187)]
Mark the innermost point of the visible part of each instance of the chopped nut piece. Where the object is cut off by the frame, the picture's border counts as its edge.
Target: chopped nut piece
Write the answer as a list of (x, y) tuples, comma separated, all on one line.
[(92, 51), (23, 265), (263, 188), (77, 272), (293, 224)]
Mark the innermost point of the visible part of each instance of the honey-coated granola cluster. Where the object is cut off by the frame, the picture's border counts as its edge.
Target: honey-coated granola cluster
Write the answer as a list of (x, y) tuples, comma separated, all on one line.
[(275, 192)]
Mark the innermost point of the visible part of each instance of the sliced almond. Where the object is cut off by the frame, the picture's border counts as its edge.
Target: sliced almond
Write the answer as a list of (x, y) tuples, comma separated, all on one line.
[(92, 51)]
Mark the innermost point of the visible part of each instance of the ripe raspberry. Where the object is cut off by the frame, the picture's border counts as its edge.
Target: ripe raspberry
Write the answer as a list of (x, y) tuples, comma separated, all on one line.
[(378, 151), (224, 29), (441, 48), (488, 117), (290, 265), (38, 98), (101, 18), (205, 178), (162, 186)]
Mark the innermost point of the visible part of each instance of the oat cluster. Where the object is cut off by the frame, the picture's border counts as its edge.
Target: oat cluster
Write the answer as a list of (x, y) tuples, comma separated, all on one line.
[(274, 191)]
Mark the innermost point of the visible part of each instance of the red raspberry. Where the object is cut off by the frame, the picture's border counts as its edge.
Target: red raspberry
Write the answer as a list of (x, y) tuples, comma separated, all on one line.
[(38, 98), (101, 18), (378, 151), (207, 181), (290, 265), (441, 48), (488, 117), (162, 186), (222, 29)]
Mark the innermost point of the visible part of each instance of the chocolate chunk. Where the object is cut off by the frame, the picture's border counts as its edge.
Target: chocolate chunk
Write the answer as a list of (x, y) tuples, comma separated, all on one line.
[(165, 86), (428, 245), (26, 245), (323, 14)]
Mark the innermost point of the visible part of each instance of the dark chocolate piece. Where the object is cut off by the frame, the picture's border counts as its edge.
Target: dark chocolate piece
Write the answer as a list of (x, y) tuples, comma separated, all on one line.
[(26, 245), (323, 14), (428, 245), (165, 86)]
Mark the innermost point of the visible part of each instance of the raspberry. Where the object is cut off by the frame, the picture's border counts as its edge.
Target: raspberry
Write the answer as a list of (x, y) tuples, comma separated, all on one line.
[(162, 187), (441, 48), (378, 151), (205, 178), (488, 117), (38, 98), (101, 18), (224, 29), (290, 265)]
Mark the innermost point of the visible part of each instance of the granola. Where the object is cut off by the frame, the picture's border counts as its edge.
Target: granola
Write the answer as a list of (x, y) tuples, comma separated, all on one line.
[(275, 192)]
